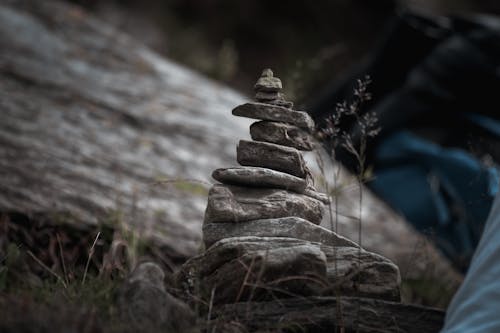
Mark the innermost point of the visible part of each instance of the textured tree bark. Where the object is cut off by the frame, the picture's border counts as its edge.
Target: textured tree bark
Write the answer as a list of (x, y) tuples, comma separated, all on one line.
[(91, 120)]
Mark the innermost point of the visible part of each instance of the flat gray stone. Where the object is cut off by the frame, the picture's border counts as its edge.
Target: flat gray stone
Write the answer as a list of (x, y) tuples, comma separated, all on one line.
[(265, 111), (272, 156), (293, 227), (281, 134), (260, 177), (267, 178), (235, 204)]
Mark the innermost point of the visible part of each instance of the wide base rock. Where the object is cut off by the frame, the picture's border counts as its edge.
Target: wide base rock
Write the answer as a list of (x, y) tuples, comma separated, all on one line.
[(228, 203), (258, 268), (281, 134), (272, 156), (293, 227)]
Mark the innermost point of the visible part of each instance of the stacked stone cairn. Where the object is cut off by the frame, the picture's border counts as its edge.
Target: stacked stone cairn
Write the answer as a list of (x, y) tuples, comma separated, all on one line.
[(261, 229)]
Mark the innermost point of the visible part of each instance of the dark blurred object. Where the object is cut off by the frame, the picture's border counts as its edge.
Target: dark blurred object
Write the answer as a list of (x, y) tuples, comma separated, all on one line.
[(435, 85), (307, 43)]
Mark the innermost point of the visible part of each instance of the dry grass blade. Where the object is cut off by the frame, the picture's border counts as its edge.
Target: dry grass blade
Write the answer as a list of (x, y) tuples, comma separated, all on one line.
[(47, 268), (210, 307), (247, 275), (61, 253), (91, 253)]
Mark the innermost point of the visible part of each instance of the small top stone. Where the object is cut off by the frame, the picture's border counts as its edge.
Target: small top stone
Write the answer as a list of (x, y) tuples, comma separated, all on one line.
[(267, 73), (267, 82)]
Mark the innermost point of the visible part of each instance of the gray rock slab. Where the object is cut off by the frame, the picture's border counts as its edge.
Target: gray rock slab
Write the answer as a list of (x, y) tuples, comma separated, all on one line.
[(281, 134), (272, 156), (264, 111), (259, 177), (293, 227), (228, 203)]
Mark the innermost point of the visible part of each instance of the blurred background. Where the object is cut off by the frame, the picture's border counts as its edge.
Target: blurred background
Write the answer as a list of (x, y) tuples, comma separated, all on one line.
[(308, 44)]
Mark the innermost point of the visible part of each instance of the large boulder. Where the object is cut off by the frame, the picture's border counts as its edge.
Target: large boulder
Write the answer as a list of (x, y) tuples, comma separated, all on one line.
[(96, 126)]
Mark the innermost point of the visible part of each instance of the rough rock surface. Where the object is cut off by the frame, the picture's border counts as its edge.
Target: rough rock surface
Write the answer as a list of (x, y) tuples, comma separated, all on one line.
[(281, 134), (235, 204), (263, 111), (247, 268), (292, 227), (356, 272), (269, 155), (298, 270), (259, 177)]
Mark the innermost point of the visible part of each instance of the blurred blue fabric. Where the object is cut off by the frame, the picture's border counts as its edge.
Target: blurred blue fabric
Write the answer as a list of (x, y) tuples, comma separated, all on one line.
[(443, 190), (475, 306)]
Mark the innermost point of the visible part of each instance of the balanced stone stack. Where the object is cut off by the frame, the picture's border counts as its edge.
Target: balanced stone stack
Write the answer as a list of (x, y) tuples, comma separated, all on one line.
[(261, 229)]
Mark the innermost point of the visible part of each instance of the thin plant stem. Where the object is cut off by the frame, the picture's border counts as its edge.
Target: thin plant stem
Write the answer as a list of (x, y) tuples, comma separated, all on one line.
[(91, 253), (210, 306), (58, 277), (61, 253)]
